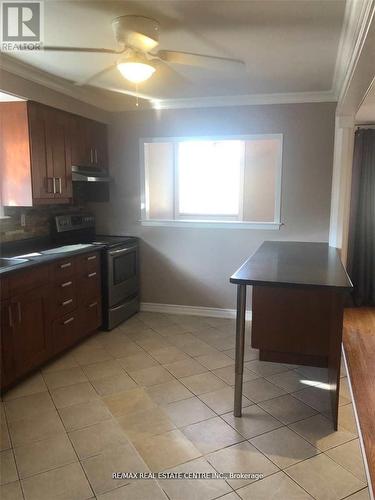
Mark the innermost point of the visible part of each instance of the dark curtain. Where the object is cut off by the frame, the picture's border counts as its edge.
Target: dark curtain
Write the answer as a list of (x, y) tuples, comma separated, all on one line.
[(361, 250)]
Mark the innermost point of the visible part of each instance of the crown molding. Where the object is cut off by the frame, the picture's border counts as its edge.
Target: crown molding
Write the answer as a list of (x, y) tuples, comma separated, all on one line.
[(357, 20), (96, 98), (245, 100), (33, 74)]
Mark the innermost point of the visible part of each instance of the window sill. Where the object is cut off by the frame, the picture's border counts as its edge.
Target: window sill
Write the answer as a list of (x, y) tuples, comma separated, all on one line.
[(212, 224)]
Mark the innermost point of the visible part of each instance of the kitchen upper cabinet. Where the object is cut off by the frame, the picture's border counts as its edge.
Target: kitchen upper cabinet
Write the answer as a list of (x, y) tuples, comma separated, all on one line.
[(50, 151), (34, 155), (15, 167), (89, 143), (98, 142), (38, 146), (58, 146)]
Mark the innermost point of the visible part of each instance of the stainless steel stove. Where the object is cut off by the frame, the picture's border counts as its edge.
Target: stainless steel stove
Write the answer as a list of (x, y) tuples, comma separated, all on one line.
[(120, 264)]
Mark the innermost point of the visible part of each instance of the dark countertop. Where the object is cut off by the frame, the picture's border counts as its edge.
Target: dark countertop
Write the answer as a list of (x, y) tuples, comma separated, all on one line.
[(294, 263), (29, 247)]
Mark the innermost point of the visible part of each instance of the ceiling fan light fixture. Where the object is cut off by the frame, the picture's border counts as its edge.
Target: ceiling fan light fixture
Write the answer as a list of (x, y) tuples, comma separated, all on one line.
[(135, 70)]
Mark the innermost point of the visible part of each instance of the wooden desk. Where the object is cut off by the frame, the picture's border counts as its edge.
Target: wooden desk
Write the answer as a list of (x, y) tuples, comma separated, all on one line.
[(359, 349), (297, 309)]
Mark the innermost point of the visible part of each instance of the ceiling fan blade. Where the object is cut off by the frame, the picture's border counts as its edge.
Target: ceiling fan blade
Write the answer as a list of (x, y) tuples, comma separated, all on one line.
[(200, 60), (86, 81), (82, 49), (168, 74)]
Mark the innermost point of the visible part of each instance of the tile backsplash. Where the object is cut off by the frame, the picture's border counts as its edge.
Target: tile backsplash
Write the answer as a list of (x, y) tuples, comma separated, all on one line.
[(26, 222)]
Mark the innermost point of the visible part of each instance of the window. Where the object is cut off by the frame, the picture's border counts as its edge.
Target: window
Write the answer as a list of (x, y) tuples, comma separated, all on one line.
[(224, 180)]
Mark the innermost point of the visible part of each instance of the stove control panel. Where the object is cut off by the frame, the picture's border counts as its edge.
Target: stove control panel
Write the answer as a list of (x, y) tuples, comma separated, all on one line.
[(70, 222)]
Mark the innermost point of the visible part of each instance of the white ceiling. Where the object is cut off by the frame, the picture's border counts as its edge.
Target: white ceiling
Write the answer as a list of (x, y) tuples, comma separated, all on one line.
[(288, 46)]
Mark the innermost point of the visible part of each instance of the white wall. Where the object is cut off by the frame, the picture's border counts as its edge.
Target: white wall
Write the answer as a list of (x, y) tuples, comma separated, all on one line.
[(193, 266)]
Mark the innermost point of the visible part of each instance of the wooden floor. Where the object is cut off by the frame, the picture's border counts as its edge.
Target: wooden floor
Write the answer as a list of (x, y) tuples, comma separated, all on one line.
[(359, 346)]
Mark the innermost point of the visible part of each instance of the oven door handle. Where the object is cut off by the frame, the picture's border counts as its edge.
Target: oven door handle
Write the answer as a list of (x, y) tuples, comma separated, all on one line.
[(114, 253)]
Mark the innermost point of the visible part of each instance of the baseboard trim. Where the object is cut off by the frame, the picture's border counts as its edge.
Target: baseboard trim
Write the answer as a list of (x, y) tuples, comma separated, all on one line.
[(212, 312)]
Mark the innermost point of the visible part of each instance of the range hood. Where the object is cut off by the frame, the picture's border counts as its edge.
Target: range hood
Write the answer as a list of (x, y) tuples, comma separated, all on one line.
[(89, 174)]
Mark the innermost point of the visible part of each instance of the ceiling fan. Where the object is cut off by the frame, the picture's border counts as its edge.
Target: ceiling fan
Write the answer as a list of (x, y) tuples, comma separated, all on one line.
[(137, 37)]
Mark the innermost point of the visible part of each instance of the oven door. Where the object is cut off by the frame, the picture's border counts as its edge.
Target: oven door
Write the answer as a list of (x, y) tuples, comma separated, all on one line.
[(122, 277)]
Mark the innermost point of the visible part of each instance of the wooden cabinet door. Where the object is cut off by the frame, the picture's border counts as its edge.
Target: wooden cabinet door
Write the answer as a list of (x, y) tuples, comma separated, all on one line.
[(59, 152), (41, 164), (8, 372), (99, 141), (31, 335), (80, 150), (50, 153), (89, 143)]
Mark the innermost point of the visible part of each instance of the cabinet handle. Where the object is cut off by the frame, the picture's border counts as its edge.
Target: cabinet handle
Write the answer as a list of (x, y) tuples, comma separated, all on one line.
[(67, 264), (60, 185), (96, 155), (67, 321), (67, 283), (10, 316), (93, 305), (66, 302), (19, 312), (92, 257), (54, 185), (91, 156), (91, 275)]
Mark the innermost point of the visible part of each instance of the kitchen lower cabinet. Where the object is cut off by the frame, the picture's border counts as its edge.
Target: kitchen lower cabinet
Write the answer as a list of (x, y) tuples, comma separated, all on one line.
[(31, 332), (90, 315), (65, 331), (46, 311), (8, 372)]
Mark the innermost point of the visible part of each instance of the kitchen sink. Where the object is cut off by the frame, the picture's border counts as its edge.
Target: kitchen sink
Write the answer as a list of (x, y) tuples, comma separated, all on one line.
[(4, 262), (66, 248)]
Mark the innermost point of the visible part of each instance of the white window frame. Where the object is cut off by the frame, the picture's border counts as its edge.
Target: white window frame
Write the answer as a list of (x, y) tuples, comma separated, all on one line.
[(185, 220)]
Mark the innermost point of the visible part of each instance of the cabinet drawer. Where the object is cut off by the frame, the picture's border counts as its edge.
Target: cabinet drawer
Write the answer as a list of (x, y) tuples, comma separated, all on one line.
[(63, 269), (28, 279), (65, 331), (63, 298), (89, 286), (88, 263), (90, 316)]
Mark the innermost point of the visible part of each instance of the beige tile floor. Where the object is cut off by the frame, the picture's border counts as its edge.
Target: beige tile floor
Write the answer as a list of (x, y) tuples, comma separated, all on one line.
[(157, 394)]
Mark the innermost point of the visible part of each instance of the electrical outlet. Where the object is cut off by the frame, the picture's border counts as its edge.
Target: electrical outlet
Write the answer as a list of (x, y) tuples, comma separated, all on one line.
[(23, 220)]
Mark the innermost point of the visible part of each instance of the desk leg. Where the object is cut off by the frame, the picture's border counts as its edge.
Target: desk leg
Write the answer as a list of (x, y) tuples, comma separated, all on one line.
[(240, 346), (334, 353)]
